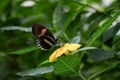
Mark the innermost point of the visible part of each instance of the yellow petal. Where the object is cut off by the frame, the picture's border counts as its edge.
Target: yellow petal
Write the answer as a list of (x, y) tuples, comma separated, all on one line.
[(56, 54), (72, 47), (63, 50)]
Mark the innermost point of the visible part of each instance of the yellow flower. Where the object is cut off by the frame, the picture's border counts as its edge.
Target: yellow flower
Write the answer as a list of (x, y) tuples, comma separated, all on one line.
[(63, 50)]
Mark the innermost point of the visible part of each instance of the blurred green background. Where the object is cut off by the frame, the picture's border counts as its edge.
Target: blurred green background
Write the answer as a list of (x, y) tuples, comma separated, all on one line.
[(92, 23)]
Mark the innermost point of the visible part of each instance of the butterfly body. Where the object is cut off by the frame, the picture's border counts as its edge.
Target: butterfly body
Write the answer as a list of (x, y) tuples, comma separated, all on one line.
[(44, 39)]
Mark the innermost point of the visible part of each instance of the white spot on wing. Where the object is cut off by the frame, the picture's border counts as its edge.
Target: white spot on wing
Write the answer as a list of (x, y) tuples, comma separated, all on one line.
[(39, 45)]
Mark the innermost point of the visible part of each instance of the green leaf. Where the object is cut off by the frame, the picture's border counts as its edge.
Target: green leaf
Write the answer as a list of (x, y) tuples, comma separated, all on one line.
[(72, 17), (37, 71), (74, 27), (57, 15), (116, 43), (83, 49), (44, 62), (118, 54), (67, 65), (104, 27), (99, 69), (25, 50), (3, 5), (76, 39), (99, 55), (8, 28), (110, 32)]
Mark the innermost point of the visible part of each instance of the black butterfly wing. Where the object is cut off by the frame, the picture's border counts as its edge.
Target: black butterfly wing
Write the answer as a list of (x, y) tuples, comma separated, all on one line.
[(45, 43), (36, 29), (46, 40)]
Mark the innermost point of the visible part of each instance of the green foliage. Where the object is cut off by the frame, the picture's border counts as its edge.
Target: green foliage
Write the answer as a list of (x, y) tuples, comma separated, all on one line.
[(93, 24), (37, 71), (25, 50), (66, 65)]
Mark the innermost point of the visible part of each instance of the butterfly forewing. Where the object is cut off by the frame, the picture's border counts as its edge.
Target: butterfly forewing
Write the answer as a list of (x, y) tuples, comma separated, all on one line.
[(44, 39), (36, 29)]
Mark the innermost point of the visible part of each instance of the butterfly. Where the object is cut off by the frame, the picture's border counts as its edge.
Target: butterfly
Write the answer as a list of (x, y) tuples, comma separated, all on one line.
[(44, 38)]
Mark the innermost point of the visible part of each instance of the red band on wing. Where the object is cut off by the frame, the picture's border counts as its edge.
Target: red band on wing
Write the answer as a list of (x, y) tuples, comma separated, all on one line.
[(43, 32)]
